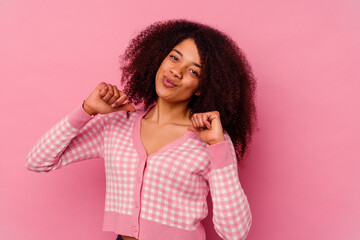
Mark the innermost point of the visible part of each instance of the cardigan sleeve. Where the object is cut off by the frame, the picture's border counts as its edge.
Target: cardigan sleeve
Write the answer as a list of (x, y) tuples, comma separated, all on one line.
[(231, 211), (76, 137)]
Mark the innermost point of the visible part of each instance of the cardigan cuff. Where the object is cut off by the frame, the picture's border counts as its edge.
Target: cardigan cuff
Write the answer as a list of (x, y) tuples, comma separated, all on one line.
[(220, 154), (78, 117)]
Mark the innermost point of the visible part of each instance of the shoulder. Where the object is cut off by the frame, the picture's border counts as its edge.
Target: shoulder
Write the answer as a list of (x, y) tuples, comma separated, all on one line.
[(122, 118), (195, 141), (121, 115)]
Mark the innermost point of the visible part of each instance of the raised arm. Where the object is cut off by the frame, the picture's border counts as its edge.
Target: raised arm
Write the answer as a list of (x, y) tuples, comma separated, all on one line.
[(79, 135), (231, 212)]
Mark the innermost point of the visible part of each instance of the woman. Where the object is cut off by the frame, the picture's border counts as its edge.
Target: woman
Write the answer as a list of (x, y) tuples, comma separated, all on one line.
[(162, 160)]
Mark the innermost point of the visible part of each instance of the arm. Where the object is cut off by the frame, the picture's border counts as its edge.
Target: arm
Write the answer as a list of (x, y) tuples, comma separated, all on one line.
[(231, 212), (72, 139), (75, 137)]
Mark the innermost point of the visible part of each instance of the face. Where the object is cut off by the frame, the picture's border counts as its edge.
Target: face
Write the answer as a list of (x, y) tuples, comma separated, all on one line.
[(177, 79)]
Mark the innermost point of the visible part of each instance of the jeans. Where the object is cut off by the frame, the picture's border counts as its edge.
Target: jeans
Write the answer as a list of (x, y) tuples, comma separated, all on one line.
[(119, 237)]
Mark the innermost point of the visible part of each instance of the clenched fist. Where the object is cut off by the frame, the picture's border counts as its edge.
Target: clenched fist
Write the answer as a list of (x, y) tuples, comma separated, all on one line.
[(208, 127), (106, 98)]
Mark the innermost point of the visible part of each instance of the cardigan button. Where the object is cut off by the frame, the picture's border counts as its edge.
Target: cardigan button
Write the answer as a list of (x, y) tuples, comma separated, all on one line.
[(135, 229)]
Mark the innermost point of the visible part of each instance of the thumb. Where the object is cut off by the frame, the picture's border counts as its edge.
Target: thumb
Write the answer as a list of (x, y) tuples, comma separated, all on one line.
[(125, 107), (191, 128)]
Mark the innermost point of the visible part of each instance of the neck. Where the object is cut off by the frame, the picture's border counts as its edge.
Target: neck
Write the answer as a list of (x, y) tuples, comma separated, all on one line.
[(164, 112)]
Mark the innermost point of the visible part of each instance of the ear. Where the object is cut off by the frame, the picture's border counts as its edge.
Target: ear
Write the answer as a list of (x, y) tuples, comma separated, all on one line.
[(197, 93)]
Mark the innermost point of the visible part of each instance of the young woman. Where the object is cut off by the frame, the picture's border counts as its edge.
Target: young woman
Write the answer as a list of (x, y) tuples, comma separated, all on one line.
[(161, 161)]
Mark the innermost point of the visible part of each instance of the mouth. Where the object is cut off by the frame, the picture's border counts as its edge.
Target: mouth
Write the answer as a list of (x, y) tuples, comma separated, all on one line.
[(168, 83)]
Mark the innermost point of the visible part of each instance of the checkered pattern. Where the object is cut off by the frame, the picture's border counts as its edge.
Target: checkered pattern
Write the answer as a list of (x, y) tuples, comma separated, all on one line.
[(175, 182), (63, 144), (174, 189)]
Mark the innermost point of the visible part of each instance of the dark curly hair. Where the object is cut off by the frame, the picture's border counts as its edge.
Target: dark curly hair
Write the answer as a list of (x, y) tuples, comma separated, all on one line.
[(227, 84)]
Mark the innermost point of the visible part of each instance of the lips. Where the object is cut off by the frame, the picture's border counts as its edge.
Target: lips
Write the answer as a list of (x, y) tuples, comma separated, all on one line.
[(168, 83)]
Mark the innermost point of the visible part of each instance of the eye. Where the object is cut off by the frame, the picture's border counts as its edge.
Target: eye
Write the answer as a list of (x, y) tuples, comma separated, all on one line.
[(194, 73), (174, 57)]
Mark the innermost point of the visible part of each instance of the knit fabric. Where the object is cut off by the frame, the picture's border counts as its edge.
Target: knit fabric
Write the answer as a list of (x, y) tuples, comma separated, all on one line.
[(160, 196)]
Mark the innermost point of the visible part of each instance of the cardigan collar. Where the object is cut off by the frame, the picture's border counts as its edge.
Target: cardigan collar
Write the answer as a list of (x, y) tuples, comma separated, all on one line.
[(140, 149)]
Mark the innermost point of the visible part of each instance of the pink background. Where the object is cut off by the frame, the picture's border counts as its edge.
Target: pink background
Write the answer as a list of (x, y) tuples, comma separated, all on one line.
[(302, 173)]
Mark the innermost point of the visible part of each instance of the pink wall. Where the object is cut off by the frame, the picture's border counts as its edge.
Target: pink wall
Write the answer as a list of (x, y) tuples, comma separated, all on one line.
[(302, 174)]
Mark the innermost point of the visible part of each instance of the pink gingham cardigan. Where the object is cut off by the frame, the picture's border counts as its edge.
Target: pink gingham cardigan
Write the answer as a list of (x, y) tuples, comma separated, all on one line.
[(160, 196)]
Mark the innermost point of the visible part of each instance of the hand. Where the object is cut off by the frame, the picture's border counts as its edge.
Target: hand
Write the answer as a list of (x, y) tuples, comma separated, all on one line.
[(208, 127), (106, 98)]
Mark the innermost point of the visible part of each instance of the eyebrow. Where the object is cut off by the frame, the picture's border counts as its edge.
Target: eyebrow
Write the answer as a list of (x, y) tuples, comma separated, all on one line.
[(175, 50)]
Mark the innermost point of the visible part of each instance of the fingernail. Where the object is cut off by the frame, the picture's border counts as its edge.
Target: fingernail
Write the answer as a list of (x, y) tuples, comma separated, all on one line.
[(113, 105)]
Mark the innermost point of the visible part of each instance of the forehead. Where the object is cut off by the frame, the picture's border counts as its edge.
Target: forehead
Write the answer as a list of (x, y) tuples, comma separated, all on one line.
[(188, 49)]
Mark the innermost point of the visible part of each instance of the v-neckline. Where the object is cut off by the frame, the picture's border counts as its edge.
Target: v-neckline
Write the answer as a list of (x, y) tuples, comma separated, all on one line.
[(139, 146)]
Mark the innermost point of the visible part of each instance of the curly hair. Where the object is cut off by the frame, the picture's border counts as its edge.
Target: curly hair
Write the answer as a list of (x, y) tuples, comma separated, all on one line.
[(227, 83)]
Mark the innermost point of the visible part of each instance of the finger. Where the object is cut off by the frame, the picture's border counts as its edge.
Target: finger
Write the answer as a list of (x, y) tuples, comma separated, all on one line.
[(109, 94), (201, 125), (121, 99), (205, 120), (103, 89), (191, 128), (115, 96), (194, 121), (213, 115)]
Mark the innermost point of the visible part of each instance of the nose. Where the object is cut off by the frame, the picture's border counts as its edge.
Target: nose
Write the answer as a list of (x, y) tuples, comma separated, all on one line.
[(176, 71)]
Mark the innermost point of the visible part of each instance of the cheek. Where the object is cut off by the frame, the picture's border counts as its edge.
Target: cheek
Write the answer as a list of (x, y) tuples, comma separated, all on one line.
[(160, 70), (163, 65), (195, 84)]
